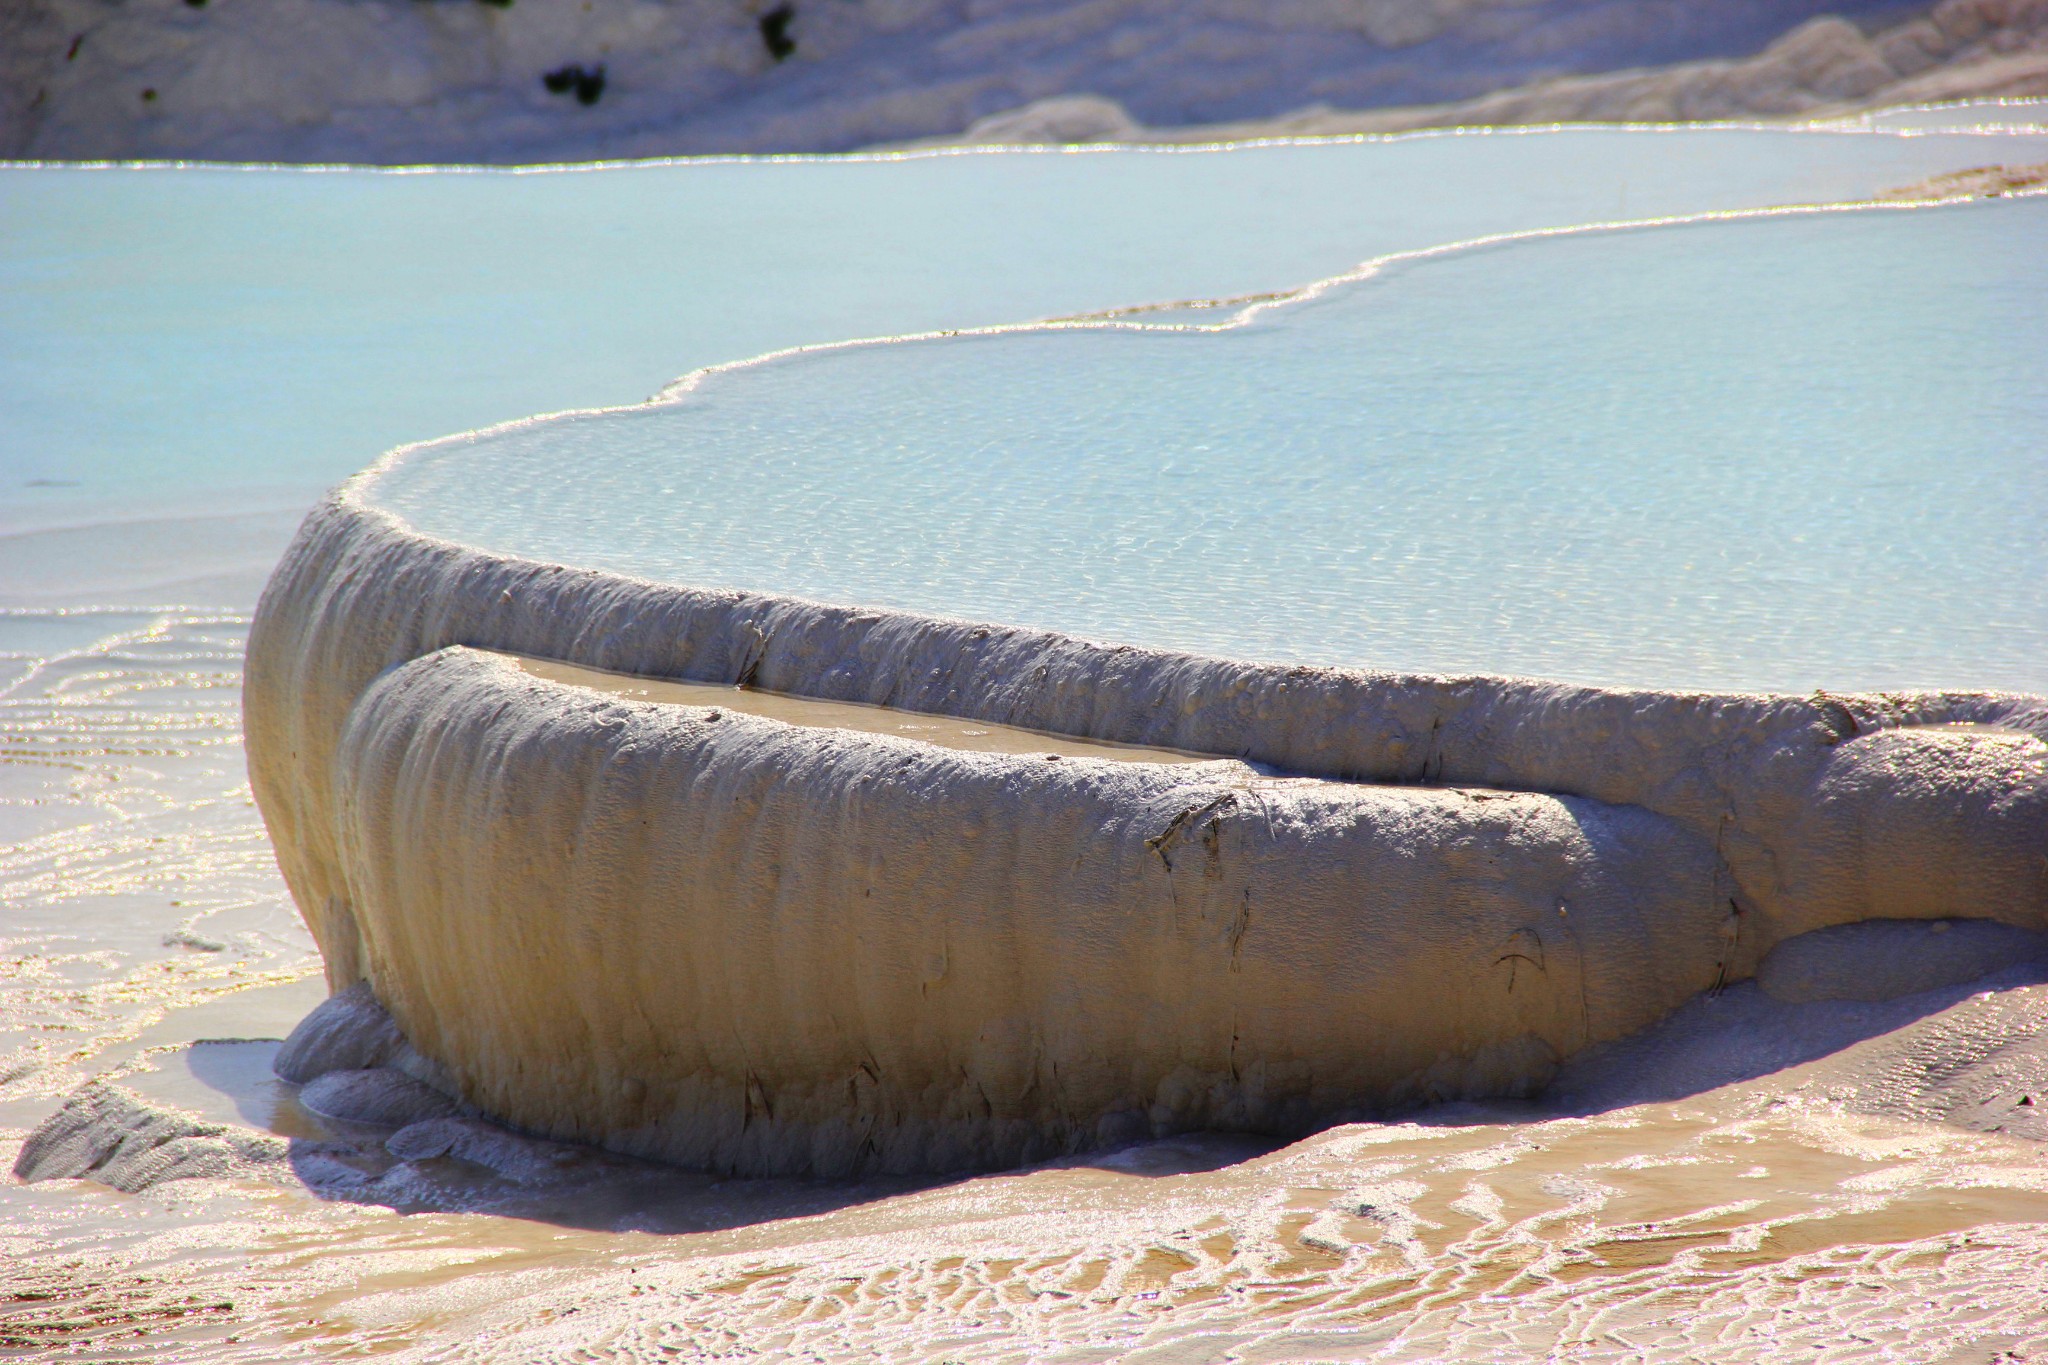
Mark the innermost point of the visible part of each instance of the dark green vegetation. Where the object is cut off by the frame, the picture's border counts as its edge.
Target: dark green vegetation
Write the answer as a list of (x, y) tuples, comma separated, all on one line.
[(586, 83), (775, 34)]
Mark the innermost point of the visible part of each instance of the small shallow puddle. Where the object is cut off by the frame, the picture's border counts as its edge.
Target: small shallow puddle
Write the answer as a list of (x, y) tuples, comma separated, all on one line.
[(950, 732)]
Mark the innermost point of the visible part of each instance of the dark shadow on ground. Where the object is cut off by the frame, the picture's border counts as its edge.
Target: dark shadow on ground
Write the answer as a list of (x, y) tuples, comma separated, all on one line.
[(492, 1170)]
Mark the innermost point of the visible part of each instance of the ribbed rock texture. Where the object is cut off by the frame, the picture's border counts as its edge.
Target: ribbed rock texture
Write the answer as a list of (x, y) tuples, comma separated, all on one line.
[(110, 1134), (722, 940)]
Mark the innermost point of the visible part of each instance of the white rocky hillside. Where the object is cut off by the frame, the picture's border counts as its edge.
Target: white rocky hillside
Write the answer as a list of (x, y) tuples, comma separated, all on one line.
[(1964, 49), (396, 81)]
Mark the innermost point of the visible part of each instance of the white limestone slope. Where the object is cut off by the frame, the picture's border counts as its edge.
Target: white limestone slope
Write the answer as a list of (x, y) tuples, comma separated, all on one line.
[(763, 948), (1960, 50), (399, 81)]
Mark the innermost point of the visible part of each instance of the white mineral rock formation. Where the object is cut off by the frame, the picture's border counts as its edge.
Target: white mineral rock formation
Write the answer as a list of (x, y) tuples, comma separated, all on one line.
[(395, 81), (123, 1141), (727, 941), (1827, 67)]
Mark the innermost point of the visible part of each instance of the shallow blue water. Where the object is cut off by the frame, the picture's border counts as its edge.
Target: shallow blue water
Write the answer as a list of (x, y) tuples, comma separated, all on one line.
[(1785, 453), (185, 338)]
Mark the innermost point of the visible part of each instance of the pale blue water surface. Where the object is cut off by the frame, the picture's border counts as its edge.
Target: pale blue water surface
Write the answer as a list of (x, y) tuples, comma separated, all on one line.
[(189, 338), (1784, 453)]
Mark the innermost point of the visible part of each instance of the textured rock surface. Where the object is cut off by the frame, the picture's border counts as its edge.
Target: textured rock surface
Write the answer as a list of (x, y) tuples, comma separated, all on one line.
[(348, 1031), (402, 80), (357, 1133), (377, 1095), (1886, 959), (1964, 49), (112, 1135), (736, 943), (763, 948)]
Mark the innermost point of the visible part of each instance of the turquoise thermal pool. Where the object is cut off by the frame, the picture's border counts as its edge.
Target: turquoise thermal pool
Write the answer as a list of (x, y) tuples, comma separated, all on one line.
[(1780, 453)]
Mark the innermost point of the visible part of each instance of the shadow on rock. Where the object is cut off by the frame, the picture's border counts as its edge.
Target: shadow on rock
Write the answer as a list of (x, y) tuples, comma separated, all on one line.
[(1942, 1021)]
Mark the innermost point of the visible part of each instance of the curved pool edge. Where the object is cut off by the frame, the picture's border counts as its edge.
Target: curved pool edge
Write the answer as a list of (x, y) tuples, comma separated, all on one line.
[(1812, 811)]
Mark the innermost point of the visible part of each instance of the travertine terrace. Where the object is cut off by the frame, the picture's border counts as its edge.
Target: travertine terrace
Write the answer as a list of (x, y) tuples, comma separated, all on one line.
[(733, 942)]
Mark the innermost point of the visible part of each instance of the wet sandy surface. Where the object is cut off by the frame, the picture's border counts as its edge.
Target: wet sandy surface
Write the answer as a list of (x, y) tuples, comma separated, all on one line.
[(1757, 1223)]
